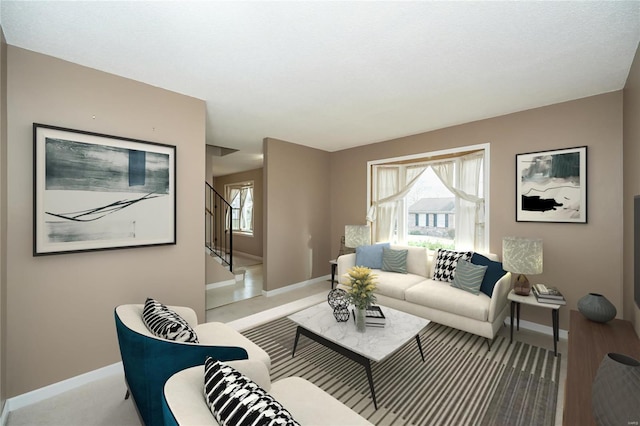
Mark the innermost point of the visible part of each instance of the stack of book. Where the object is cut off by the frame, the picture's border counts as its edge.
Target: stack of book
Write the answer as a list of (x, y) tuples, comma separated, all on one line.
[(547, 294), (375, 317)]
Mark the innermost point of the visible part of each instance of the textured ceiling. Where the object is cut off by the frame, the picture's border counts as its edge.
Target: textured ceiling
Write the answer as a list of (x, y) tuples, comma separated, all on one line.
[(334, 75)]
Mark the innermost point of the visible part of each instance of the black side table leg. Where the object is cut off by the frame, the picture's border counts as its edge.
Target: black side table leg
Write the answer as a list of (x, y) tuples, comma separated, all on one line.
[(556, 326), (518, 316), (513, 308), (333, 274)]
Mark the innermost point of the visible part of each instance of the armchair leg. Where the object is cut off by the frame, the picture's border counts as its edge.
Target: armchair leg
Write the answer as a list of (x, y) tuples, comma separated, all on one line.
[(488, 343), (126, 396)]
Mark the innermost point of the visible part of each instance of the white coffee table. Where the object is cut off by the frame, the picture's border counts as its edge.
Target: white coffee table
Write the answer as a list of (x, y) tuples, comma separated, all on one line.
[(375, 344)]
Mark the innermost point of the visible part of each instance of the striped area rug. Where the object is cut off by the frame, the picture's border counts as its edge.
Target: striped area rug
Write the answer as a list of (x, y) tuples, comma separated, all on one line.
[(460, 382)]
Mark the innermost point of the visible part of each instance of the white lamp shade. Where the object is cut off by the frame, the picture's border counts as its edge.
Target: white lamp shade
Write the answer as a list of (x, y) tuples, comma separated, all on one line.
[(357, 235), (522, 255)]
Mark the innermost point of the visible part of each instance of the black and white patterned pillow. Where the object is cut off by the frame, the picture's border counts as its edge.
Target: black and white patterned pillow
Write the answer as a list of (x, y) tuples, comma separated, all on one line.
[(166, 323), (445, 263), (236, 400)]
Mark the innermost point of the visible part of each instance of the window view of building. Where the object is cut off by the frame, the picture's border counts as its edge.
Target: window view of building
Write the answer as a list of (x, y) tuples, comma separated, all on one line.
[(435, 200)]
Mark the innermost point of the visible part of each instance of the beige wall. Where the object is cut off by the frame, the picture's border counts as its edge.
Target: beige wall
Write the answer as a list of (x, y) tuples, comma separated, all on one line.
[(3, 215), (297, 214), (578, 258), (60, 316), (243, 243), (631, 184)]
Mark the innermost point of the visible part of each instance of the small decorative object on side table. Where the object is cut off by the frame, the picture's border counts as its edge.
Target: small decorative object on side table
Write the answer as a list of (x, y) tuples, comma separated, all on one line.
[(517, 300), (522, 256)]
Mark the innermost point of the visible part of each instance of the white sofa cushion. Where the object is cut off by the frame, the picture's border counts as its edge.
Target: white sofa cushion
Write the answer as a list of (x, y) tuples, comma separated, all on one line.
[(440, 295), (417, 259), (393, 284)]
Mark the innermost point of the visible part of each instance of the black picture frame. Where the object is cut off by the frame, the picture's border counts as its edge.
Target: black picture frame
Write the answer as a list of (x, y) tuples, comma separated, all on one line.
[(93, 191), (551, 186)]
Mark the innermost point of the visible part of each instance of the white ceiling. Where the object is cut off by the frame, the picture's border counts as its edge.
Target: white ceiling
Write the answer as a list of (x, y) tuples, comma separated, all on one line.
[(334, 75)]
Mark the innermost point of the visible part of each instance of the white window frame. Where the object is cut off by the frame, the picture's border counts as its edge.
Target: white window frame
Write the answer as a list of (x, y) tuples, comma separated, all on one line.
[(452, 151), (240, 185)]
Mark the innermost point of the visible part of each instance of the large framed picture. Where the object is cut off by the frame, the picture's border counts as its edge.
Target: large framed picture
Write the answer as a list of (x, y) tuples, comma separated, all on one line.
[(97, 192), (551, 186)]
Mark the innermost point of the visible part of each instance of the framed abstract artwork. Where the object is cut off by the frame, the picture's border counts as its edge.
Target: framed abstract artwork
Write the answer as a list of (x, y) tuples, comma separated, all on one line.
[(97, 192), (551, 186)]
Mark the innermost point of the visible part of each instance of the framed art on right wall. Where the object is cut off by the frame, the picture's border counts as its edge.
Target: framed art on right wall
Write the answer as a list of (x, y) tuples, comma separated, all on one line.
[(551, 186)]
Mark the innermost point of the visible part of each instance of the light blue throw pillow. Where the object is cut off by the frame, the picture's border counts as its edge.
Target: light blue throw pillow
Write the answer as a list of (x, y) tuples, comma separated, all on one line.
[(370, 256), (468, 276)]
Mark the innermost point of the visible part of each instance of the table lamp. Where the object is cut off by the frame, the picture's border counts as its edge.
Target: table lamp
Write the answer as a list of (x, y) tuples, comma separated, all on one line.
[(357, 235), (522, 256)]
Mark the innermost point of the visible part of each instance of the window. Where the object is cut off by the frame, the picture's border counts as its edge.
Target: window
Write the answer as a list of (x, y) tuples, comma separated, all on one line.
[(433, 199), (240, 196)]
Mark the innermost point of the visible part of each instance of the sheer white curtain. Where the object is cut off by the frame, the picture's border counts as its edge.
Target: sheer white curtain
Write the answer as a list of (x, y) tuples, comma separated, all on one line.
[(392, 185), (246, 203), (470, 206)]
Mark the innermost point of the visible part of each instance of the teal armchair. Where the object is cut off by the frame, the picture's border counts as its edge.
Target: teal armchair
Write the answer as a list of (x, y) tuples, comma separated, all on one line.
[(149, 361)]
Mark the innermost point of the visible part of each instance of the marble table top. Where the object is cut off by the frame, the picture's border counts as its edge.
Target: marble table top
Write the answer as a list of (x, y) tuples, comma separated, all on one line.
[(376, 343)]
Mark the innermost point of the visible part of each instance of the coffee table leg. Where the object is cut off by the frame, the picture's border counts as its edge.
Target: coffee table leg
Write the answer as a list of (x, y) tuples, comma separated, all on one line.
[(367, 366), (341, 350), (295, 343), (420, 346)]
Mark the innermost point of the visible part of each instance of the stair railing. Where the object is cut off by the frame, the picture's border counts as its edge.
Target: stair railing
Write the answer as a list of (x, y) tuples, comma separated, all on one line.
[(218, 226)]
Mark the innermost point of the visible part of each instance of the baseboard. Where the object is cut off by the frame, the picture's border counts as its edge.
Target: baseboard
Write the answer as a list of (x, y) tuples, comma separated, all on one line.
[(5, 414), (58, 388), (295, 286), (220, 284), (539, 328), (260, 318), (247, 255)]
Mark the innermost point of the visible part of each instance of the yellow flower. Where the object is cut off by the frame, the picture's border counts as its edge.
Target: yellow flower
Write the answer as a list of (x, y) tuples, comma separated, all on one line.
[(361, 285)]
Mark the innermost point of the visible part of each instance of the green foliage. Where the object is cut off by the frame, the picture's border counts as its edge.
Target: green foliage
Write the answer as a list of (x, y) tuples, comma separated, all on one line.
[(432, 245)]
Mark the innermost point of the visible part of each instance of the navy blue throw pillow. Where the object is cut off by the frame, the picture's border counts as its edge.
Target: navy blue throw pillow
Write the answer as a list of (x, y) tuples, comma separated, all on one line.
[(493, 274)]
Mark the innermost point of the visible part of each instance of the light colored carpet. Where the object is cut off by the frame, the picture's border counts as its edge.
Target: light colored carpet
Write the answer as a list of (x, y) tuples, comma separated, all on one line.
[(100, 403), (460, 383)]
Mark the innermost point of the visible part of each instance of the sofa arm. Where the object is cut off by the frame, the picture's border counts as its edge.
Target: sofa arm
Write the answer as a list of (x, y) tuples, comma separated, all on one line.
[(499, 296), (345, 262)]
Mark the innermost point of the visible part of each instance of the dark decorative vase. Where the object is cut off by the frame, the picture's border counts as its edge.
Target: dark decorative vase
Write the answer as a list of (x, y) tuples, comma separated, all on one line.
[(597, 308), (341, 314), (615, 394), (337, 298)]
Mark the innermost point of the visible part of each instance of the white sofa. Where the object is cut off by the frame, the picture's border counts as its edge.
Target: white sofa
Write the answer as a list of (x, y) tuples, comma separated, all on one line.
[(416, 293), (184, 402)]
